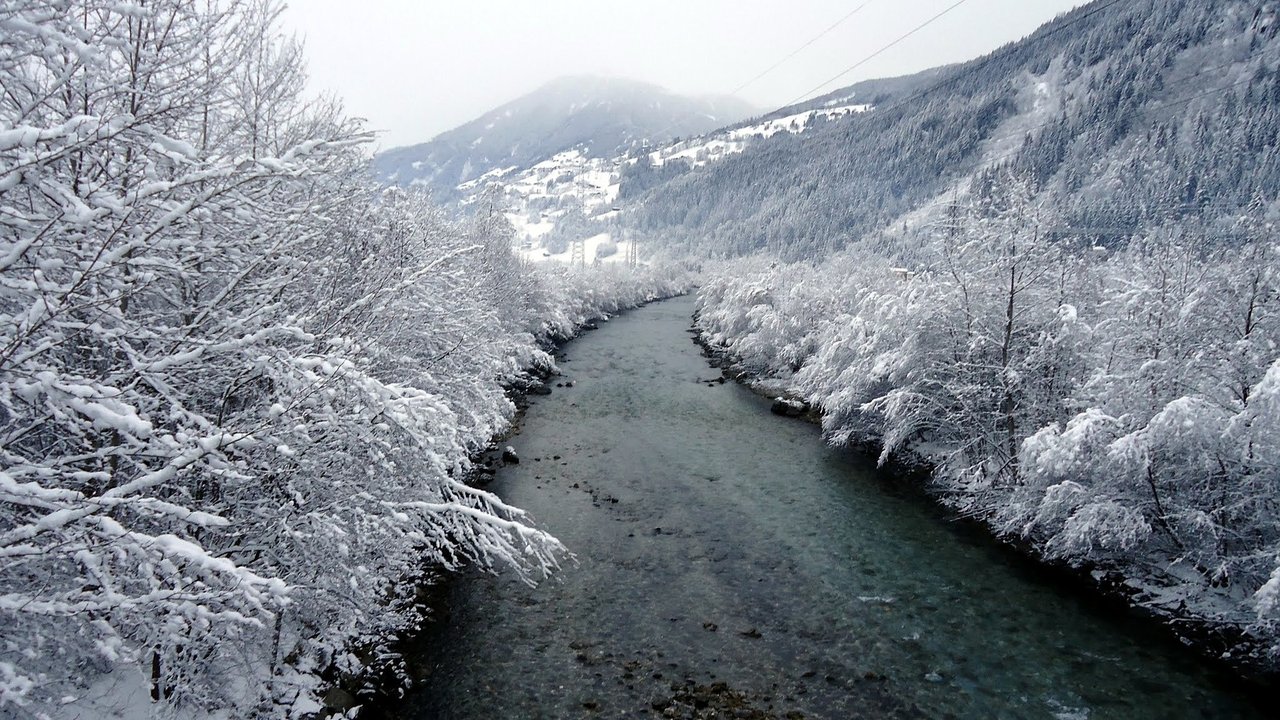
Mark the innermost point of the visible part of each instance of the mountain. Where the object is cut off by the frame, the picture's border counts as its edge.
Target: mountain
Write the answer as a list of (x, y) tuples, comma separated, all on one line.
[(1176, 102), (572, 195), (1120, 118), (600, 117)]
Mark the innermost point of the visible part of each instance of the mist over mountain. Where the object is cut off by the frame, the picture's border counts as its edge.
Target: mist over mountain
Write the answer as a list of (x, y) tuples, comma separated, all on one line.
[(598, 116)]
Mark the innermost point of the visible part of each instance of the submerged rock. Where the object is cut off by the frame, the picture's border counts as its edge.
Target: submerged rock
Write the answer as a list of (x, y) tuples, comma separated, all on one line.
[(789, 408), (335, 698), (509, 456)]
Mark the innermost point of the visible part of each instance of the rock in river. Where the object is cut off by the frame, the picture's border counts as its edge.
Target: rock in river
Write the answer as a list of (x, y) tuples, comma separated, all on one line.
[(789, 408)]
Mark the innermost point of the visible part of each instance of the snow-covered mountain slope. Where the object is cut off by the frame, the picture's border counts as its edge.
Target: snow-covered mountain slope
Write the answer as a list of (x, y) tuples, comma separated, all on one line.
[(1121, 116), (598, 117), (1173, 102), (705, 149), (572, 195)]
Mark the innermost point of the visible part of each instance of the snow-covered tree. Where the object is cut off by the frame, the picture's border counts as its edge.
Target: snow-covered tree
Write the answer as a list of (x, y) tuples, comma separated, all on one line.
[(1112, 406), (239, 384)]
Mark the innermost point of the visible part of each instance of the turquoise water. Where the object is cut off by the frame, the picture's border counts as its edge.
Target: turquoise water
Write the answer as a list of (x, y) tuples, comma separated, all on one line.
[(716, 542)]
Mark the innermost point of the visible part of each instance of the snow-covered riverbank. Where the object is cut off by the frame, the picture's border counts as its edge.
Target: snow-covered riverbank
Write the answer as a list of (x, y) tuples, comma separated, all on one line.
[(730, 563), (1041, 451)]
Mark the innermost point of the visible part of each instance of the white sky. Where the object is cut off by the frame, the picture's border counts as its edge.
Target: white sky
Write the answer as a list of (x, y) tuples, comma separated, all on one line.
[(415, 68)]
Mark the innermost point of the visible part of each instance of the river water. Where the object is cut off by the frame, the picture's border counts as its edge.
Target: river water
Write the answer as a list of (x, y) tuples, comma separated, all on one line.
[(727, 560)]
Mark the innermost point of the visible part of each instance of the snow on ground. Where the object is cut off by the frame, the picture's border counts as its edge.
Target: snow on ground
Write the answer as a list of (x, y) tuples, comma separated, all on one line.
[(568, 176), (1039, 101), (491, 176), (592, 246), (528, 230), (704, 153), (122, 695), (538, 196), (706, 149), (794, 123)]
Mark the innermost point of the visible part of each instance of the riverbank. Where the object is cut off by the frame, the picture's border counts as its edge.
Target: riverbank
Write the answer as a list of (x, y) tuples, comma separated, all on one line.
[(386, 677), (1114, 590), (728, 559)]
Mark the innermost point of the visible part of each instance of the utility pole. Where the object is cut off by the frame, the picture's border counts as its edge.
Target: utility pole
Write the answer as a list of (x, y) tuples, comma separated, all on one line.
[(633, 252), (578, 246), (953, 216)]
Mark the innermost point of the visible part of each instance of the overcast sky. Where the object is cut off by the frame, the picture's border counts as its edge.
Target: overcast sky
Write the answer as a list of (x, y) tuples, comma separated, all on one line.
[(415, 68)]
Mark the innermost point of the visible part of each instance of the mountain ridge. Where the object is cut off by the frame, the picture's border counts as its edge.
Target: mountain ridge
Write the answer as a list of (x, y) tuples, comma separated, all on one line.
[(600, 116)]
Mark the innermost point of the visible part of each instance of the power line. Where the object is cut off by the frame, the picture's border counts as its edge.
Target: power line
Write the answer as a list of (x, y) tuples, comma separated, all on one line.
[(800, 49), (780, 63), (875, 54), (968, 69), (955, 77), (972, 67), (990, 161), (846, 71)]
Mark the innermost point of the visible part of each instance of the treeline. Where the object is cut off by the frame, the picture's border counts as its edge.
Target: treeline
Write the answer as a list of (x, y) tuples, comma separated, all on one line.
[(239, 383), (1113, 407)]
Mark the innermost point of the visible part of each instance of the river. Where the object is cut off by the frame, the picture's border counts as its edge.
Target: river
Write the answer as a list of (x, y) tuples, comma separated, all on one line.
[(728, 560)]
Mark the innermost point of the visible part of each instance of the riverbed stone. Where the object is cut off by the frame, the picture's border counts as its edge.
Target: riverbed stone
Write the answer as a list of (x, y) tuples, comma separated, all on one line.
[(787, 407), (335, 698)]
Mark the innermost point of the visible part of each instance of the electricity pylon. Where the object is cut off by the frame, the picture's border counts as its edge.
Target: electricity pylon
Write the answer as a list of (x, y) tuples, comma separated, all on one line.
[(633, 252)]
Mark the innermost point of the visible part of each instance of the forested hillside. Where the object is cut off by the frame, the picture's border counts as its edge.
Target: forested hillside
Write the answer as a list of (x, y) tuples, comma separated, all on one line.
[(1059, 288), (240, 383), (1173, 101)]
